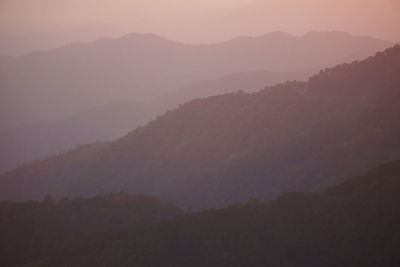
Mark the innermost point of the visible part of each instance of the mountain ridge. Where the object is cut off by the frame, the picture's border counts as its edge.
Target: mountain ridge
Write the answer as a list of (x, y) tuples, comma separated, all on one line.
[(272, 35), (109, 122), (225, 149), (66, 80)]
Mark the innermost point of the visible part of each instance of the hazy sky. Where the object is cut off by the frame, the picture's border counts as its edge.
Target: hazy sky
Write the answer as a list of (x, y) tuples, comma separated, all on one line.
[(201, 20)]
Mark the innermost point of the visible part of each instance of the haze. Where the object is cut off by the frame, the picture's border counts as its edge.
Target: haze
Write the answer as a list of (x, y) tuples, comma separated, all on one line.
[(201, 133), (199, 21)]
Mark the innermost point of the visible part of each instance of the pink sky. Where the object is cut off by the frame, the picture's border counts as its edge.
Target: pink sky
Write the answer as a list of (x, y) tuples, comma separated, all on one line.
[(198, 21)]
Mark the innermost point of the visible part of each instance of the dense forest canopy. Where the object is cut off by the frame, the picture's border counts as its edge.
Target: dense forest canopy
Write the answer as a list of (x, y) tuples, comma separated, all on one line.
[(352, 224), (30, 231)]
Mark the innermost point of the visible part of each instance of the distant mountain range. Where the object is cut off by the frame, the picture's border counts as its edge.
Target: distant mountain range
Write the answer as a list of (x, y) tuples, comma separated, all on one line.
[(54, 100), (297, 136), (108, 122), (31, 141), (16, 44), (55, 84)]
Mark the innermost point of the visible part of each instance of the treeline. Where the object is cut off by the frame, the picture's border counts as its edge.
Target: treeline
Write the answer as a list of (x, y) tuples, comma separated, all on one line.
[(355, 223), (30, 231), (213, 152)]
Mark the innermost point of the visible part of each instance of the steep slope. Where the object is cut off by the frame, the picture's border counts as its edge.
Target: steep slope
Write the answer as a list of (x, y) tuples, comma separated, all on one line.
[(297, 136), (36, 140), (353, 224), (32, 230), (55, 164), (249, 81), (56, 83), (114, 120)]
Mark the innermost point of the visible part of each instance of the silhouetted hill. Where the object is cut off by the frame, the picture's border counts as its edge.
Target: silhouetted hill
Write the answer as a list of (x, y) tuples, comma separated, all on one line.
[(297, 136), (353, 224), (111, 121), (18, 44), (250, 81), (32, 230), (53, 84), (22, 43), (36, 140)]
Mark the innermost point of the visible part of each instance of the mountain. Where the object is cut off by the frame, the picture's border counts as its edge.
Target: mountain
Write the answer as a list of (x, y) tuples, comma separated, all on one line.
[(249, 81), (54, 84), (355, 223), (16, 44), (13, 44), (108, 122), (257, 17), (297, 136), (31, 141), (32, 230)]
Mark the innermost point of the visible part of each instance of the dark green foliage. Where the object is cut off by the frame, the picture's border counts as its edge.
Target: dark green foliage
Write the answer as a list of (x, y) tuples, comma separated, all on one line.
[(353, 224), (29, 231)]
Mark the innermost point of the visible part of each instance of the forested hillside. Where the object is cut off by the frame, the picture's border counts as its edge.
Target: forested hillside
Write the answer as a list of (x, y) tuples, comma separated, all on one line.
[(248, 81), (200, 133), (298, 136), (111, 121), (30, 231), (28, 142), (352, 224), (99, 91)]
